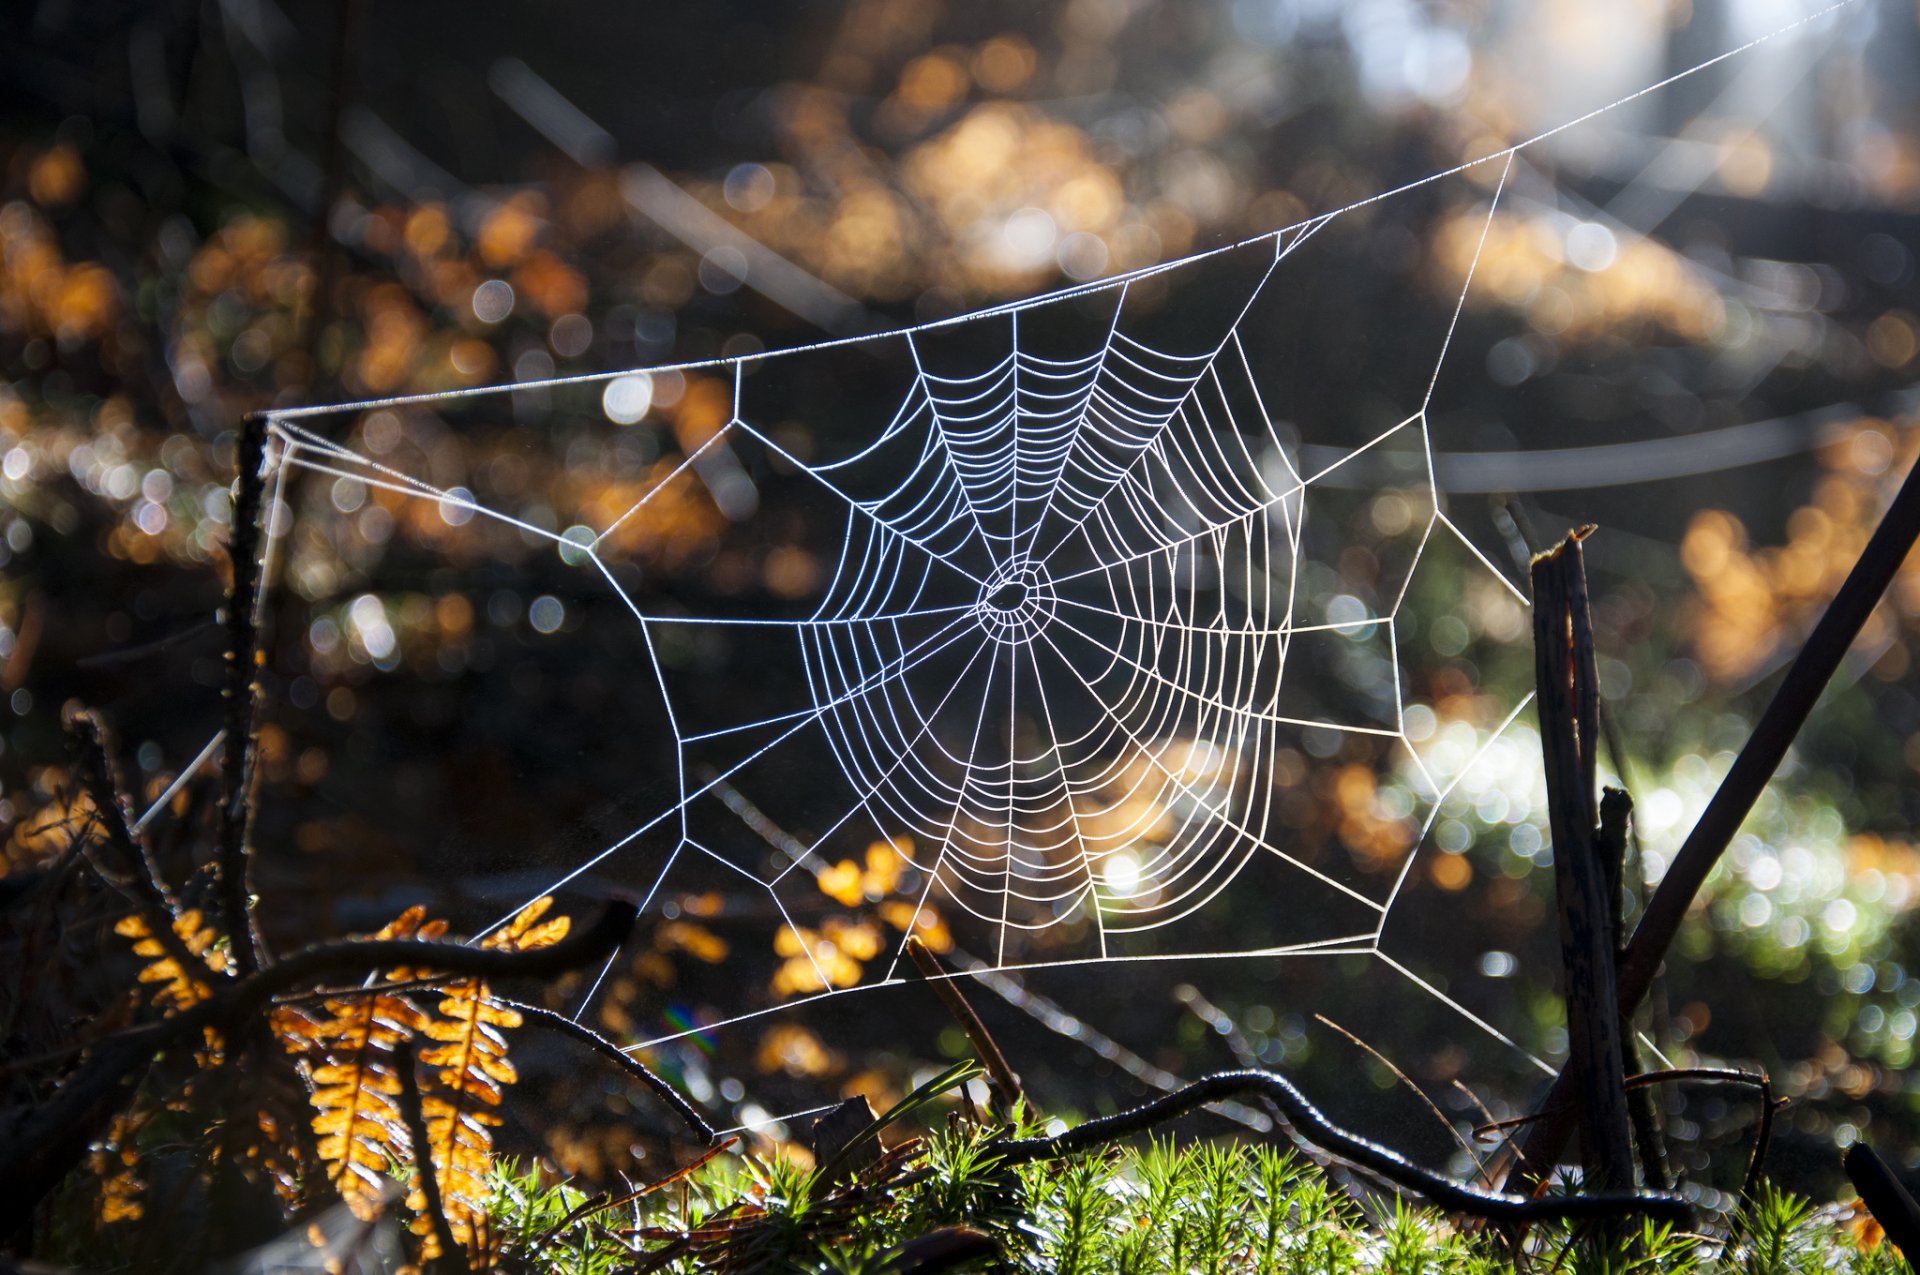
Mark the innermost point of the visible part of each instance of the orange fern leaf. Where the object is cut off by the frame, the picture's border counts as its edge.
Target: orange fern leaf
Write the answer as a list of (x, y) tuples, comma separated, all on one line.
[(468, 1072), (113, 1161), (527, 931), (179, 988), (351, 1049)]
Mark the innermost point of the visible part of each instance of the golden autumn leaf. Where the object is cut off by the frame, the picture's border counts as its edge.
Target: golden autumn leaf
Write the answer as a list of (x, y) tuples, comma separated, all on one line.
[(179, 988), (113, 1161), (527, 931), (696, 941), (352, 1048), (841, 883), (467, 1071), (924, 922), (885, 862)]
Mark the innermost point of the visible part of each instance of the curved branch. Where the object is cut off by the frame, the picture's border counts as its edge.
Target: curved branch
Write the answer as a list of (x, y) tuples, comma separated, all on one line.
[(357, 956), (1326, 1135), (542, 1017)]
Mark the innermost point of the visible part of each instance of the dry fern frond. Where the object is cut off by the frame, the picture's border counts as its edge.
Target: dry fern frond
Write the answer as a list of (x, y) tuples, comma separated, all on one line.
[(527, 931), (46, 833), (256, 1119), (122, 1193), (275, 1155), (351, 1047), (180, 989), (468, 1070)]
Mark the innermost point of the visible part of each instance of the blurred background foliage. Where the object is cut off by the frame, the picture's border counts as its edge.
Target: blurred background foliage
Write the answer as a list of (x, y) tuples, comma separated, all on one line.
[(212, 206)]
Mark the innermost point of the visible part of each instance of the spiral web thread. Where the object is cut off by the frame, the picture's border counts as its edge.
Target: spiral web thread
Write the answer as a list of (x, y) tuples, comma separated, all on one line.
[(1103, 542)]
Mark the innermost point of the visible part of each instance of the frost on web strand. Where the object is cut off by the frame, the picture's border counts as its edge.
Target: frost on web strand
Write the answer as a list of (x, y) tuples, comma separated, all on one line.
[(1034, 627)]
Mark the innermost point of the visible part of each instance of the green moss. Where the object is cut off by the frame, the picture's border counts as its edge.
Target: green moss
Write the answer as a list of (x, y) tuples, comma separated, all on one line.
[(1207, 1208)]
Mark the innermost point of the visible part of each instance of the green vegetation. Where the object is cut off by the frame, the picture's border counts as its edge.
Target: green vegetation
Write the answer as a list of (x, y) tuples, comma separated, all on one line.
[(1210, 1208)]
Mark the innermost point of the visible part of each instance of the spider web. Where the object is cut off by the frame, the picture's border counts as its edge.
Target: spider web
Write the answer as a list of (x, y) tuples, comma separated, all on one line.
[(1063, 603)]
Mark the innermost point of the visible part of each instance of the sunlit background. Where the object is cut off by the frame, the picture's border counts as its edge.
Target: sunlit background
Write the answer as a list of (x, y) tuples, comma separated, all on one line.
[(1693, 322)]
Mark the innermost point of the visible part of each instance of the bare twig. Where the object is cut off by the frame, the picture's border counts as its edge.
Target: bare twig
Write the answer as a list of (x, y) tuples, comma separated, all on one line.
[(1616, 824), (1647, 1134), (1006, 1085), (560, 1023), (1569, 706), (1785, 714), (1646, 1080), (1417, 1092), (148, 891), (1316, 1128), (1085, 1035), (452, 1257), (242, 694), (603, 1202), (100, 777), (315, 995)]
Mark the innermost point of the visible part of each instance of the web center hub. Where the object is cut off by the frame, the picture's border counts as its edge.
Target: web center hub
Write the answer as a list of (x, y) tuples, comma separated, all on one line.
[(1016, 602)]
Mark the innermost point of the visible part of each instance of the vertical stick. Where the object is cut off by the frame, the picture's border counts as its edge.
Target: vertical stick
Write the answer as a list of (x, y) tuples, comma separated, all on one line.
[(1569, 700), (1616, 813), (241, 694), (453, 1258)]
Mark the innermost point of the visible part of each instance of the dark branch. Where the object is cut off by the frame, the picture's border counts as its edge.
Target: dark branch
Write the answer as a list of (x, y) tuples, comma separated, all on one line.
[(148, 891), (541, 1017), (242, 694), (1326, 1135), (1006, 1084), (452, 1256), (1569, 707), (608, 931), (1644, 1082), (1892, 1206), (92, 743)]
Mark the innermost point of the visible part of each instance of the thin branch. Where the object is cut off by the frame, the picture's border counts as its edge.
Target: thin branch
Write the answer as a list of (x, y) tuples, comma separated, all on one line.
[(148, 892), (1084, 1035), (553, 1022), (452, 1256), (1644, 1082), (1417, 1092), (242, 697), (1616, 833), (98, 778), (603, 1202), (1006, 1085), (1752, 770), (315, 995), (1323, 1133)]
